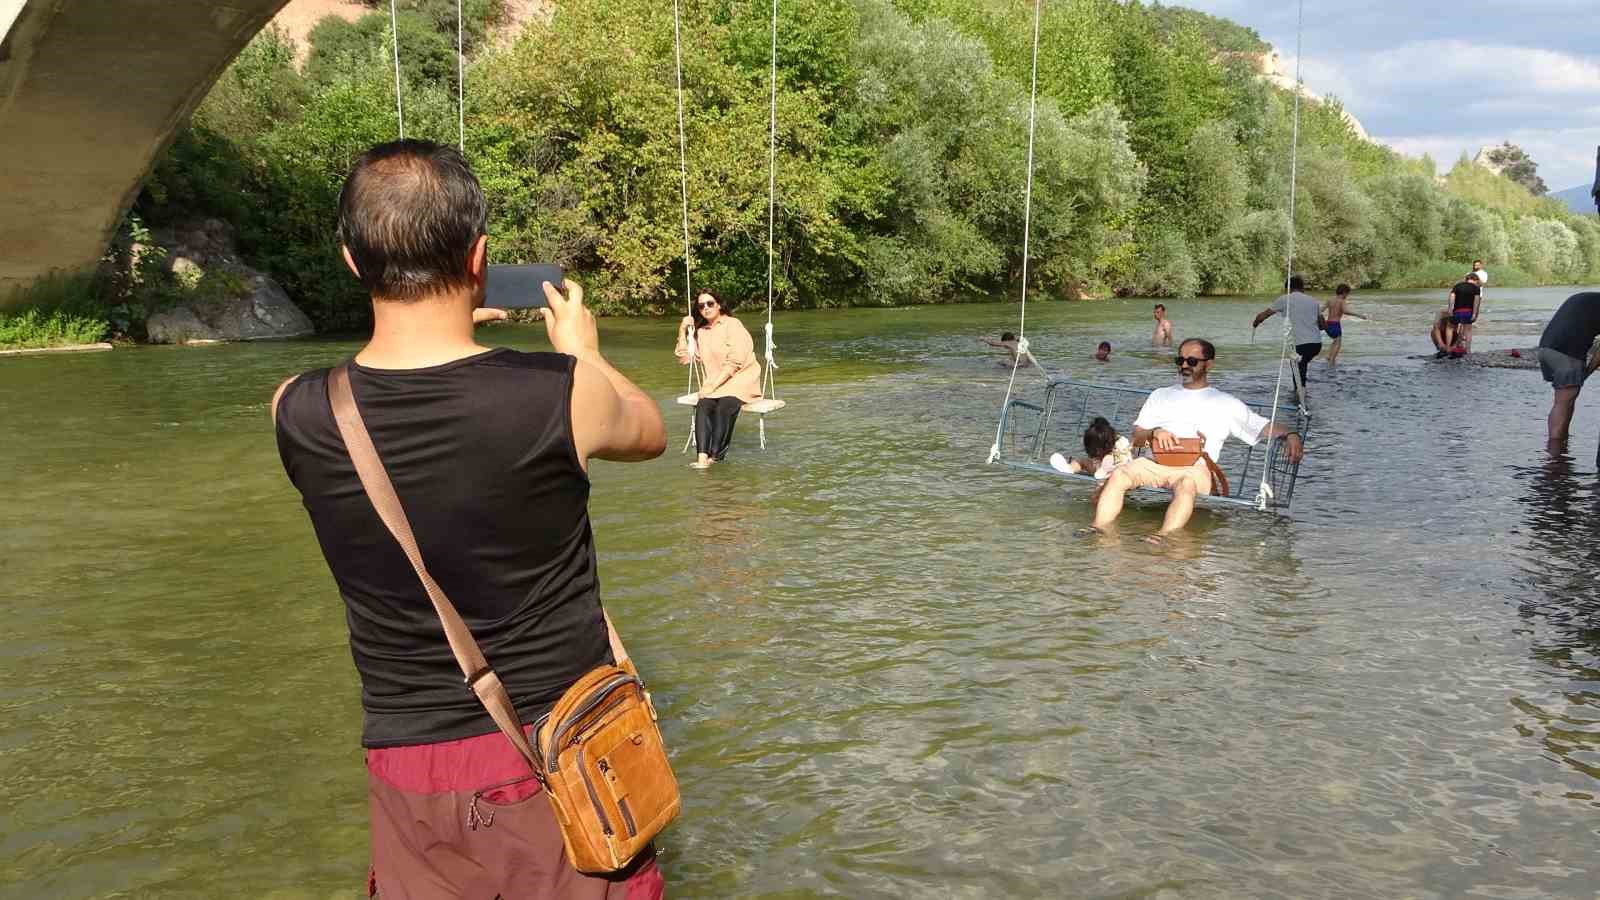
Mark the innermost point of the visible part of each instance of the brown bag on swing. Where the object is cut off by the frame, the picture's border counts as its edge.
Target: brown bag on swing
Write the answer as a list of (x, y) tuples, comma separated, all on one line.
[(1190, 451), (598, 752)]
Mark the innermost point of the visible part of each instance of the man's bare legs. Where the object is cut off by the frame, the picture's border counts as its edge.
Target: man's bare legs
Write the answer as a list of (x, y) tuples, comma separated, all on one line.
[(1463, 336), (1109, 504), (1181, 507), (1333, 351), (1116, 487), (1566, 400)]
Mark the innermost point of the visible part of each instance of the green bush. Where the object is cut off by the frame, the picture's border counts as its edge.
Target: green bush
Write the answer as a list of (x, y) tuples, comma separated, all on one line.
[(57, 310)]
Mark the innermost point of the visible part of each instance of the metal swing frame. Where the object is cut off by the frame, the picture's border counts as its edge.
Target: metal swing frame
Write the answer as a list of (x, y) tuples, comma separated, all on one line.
[(1031, 431)]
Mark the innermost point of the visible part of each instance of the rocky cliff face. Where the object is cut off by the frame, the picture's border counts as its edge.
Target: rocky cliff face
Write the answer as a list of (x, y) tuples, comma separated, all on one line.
[(250, 307), (298, 17), (1270, 68)]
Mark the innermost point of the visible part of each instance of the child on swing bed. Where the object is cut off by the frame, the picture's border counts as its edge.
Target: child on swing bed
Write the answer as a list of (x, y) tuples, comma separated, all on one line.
[(1105, 448)]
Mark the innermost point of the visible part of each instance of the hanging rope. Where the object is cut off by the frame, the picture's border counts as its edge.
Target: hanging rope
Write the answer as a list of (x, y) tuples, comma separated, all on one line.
[(770, 389), (1027, 216), (1264, 492), (394, 35), (683, 181), (461, 84)]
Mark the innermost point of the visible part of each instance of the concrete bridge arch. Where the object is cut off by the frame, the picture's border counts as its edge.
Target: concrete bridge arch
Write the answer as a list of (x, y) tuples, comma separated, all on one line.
[(91, 91)]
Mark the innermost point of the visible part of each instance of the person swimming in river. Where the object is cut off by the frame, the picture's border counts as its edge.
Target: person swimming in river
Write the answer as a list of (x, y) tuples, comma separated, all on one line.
[(1008, 343), (1102, 353), (1163, 333), (1104, 449), (1333, 313)]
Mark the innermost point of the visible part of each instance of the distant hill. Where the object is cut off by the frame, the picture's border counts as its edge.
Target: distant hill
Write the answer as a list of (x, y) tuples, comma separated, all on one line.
[(1577, 198)]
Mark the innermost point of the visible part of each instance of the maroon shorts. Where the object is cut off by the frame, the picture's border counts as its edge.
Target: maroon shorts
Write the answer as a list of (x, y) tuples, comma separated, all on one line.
[(421, 798)]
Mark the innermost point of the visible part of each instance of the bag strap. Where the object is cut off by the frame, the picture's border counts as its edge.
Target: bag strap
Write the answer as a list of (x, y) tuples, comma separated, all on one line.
[(1217, 478), (375, 481)]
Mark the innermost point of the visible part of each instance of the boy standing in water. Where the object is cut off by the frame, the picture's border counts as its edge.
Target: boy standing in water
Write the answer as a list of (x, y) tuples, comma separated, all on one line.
[(1334, 312), (1163, 333)]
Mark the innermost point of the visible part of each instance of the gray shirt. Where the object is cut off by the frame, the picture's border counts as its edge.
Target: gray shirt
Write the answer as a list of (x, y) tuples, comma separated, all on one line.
[(1301, 310)]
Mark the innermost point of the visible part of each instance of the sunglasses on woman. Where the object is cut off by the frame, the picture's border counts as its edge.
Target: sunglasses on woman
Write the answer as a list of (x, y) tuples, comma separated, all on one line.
[(707, 304), (1191, 361)]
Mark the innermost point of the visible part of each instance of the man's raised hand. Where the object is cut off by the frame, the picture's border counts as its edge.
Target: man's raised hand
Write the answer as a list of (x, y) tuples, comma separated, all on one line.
[(569, 323)]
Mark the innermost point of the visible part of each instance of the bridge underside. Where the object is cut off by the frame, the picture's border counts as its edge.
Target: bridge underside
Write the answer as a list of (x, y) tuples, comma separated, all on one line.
[(90, 92)]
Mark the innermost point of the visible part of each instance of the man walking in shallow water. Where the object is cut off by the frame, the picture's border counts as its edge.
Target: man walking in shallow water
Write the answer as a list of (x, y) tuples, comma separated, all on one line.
[(488, 451), (1190, 409)]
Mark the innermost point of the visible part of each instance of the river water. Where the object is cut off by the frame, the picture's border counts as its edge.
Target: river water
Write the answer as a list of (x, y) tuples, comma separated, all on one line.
[(884, 668)]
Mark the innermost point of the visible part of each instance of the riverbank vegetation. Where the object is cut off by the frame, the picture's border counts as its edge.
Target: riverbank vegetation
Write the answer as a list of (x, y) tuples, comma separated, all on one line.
[(1162, 159)]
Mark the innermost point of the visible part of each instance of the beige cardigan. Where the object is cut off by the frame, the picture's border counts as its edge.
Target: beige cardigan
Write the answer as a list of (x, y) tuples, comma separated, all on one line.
[(728, 366)]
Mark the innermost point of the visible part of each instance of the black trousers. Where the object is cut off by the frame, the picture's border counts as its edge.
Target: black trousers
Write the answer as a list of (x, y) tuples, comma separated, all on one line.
[(713, 424), (1307, 352)]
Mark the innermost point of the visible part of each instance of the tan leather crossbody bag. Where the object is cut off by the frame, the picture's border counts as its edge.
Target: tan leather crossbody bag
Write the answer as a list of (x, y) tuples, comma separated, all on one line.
[(1190, 451), (598, 752)]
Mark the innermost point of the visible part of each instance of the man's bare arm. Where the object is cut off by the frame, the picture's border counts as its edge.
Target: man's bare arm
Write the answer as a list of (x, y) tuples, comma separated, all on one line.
[(1264, 315), (1295, 445), (611, 417), (277, 396)]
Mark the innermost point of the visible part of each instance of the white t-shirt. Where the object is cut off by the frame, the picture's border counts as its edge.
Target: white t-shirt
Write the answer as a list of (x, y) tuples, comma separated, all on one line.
[(1483, 277), (1302, 311), (1190, 413)]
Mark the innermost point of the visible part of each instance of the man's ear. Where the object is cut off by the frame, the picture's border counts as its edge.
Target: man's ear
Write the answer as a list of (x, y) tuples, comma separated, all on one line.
[(349, 260), (477, 258)]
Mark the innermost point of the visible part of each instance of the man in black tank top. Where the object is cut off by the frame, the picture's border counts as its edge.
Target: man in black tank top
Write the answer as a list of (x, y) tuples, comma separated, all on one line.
[(488, 451)]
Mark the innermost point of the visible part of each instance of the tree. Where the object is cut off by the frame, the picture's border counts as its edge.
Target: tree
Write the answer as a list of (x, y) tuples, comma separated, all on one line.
[(1515, 164)]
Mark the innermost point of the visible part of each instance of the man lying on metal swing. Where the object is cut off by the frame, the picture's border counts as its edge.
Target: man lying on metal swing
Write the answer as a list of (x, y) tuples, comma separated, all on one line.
[(1185, 426)]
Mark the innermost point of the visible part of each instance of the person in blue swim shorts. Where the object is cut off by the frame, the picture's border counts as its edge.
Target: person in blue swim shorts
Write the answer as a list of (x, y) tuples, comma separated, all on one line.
[(1333, 313)]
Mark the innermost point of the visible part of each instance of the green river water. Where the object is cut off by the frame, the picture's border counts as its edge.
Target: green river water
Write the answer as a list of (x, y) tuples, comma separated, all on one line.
[(884, 668)]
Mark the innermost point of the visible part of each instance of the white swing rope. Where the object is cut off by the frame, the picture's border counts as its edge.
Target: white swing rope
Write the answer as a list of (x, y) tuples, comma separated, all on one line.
[(394, 39), (1264, 490), (770, 389), (683, 181), (1027, 216), (461, 76), (461, 83)]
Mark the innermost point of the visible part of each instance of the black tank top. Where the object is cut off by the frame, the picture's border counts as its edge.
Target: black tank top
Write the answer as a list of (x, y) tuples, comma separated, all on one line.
[(481, 455)]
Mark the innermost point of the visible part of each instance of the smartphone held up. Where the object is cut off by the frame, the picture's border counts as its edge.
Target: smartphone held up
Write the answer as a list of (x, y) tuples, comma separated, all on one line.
[(519, 286)]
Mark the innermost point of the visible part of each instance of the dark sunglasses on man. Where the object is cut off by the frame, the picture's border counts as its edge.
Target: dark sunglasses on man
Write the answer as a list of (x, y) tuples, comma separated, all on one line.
[(1192, 362)]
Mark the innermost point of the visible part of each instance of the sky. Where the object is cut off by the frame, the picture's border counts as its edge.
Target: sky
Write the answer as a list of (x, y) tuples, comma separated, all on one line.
[(1443, 78)]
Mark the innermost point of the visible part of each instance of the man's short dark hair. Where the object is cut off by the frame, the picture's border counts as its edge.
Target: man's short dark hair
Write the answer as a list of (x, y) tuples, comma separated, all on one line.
[(409, 213), (1161, 306), (1341, 290), (1008, 336), (1207, 351), (1296, 283), (1104, 345)]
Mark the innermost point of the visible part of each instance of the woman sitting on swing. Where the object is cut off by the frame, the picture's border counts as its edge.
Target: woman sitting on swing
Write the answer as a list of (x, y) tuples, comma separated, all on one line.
[(730, 375)]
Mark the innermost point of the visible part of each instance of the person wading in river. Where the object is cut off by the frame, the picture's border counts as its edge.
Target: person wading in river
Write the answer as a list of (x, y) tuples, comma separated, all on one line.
[(1162, 336), (1567, 358), (488, 451), (1305, 321), (1192, 409)]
